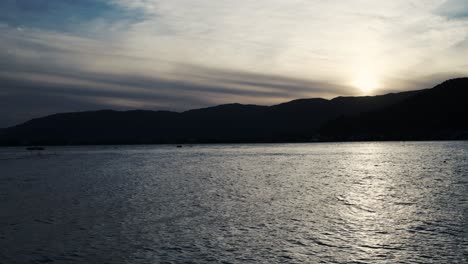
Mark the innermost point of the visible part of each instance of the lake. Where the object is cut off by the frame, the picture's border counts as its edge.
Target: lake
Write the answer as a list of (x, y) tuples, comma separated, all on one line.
[(392, 202)]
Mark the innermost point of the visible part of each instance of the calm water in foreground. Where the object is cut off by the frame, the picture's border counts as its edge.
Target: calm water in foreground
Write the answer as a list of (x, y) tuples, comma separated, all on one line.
[(283, 203)]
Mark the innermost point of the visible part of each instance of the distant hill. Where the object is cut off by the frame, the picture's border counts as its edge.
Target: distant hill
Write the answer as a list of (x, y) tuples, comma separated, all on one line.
[(434, 114), (437, 113)]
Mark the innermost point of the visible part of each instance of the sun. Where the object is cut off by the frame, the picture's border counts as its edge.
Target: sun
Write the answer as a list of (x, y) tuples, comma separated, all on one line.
[(366, 83)]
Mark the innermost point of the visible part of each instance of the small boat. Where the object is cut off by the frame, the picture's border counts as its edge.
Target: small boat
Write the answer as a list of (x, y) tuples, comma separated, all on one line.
[(34, 148), (179, 146)]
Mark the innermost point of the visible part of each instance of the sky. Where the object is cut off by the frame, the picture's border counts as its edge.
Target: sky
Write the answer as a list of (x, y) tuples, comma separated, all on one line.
[(78, 55)]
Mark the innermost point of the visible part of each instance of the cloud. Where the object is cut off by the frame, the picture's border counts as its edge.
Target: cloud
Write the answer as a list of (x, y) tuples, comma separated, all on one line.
[(51, 92), (330, 41), (51, 68), (178, 54)]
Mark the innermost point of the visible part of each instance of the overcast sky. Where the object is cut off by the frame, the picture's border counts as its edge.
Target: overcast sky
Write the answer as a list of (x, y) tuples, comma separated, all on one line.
[(75, 55)]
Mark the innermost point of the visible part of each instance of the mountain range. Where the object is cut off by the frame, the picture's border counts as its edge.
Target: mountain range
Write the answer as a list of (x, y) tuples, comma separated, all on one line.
[(439, 113)]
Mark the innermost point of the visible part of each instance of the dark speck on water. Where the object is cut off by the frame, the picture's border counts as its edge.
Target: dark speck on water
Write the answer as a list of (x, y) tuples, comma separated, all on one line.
[(273, 203), (35, 148)]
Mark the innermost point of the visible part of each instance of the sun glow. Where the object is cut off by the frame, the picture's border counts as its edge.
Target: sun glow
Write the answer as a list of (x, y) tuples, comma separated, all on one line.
[(367, 83)]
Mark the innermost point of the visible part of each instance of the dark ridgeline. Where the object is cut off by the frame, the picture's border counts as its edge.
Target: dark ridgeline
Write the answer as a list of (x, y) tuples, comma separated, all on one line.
[(434, 114), (437, 113)]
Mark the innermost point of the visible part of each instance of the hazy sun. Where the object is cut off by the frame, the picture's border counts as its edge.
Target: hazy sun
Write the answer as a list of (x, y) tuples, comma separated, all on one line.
[(366, 83)]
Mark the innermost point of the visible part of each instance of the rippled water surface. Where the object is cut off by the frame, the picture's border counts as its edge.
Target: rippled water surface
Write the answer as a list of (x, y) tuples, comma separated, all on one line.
[(283, 203)]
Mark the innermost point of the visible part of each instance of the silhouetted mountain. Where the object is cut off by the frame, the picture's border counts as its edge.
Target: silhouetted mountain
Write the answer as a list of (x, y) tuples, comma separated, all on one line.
[(436, 113)]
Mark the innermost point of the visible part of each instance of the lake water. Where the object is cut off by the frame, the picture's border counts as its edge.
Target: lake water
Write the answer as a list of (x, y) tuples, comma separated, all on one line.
[(279, 203)]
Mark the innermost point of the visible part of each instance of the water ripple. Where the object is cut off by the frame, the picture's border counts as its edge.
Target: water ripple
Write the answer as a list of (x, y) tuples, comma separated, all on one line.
[(285, 203)]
